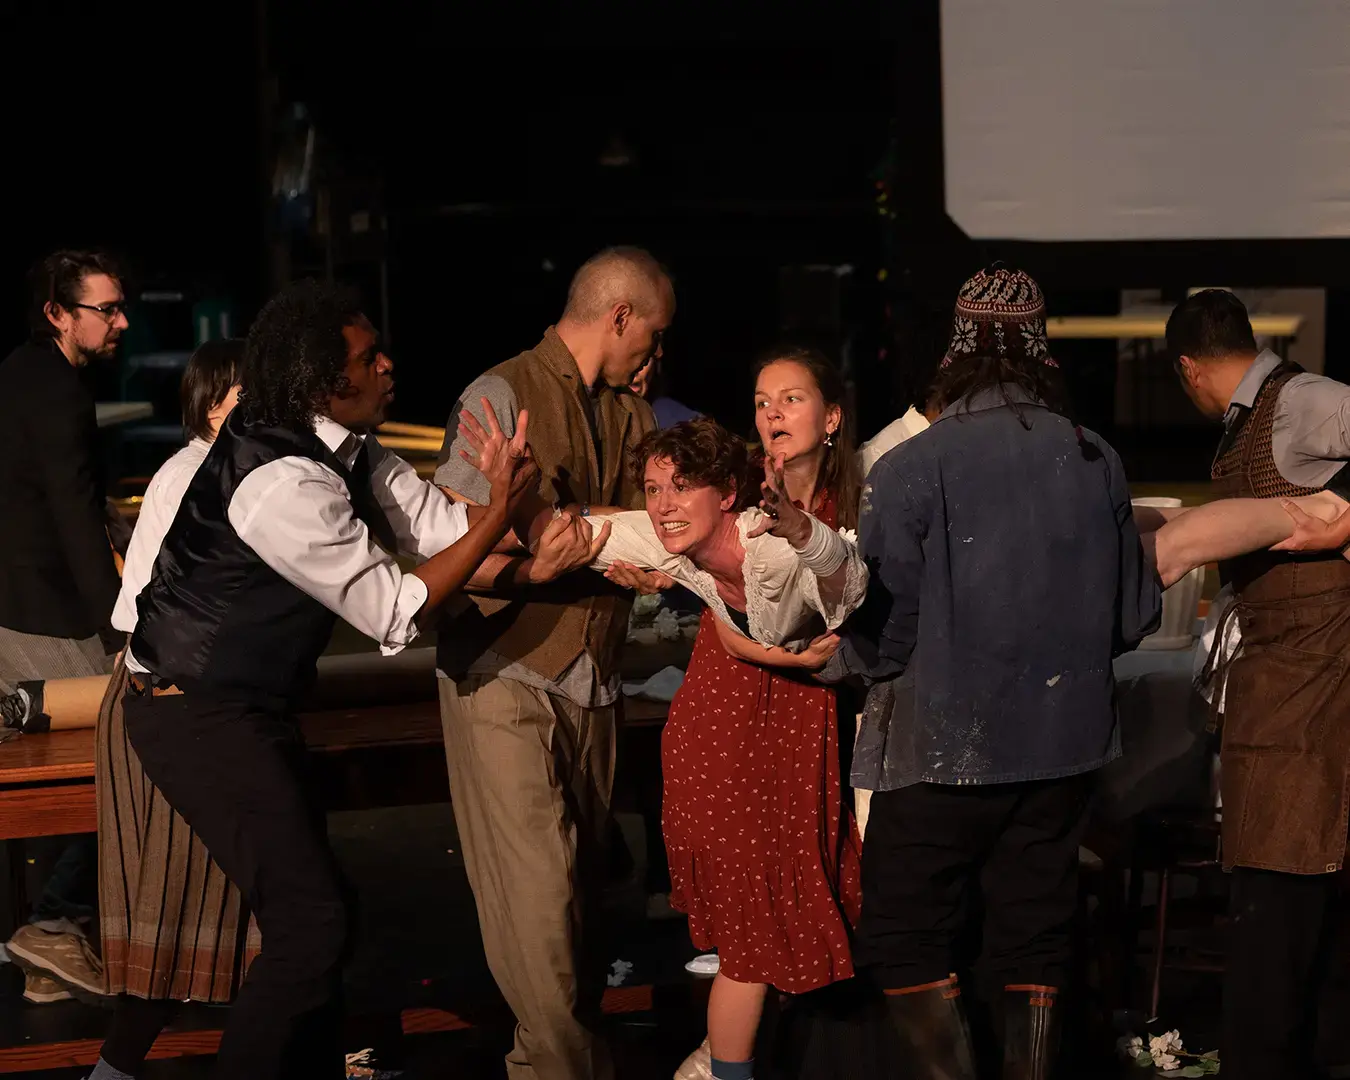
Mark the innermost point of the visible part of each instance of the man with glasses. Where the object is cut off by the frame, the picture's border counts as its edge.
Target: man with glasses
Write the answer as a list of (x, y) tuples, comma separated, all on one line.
[(58, 580)]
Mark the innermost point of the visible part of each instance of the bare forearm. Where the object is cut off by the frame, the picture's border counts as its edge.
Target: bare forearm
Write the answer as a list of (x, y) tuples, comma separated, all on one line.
[(501, 572), (742, 648), (1148, 519), (449, 571), (1226, 529)]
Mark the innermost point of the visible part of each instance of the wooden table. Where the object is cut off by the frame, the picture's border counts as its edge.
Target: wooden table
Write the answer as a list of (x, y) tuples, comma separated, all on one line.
[(369, 757), (109, 413), (387, 755)]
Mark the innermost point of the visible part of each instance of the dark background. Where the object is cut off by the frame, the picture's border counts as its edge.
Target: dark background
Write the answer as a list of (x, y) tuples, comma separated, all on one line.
[(755, 138)]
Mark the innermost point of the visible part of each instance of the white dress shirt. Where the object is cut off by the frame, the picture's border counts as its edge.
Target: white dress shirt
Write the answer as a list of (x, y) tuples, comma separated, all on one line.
[(889, 437), (781, 595), (296, 515), (157, 513)]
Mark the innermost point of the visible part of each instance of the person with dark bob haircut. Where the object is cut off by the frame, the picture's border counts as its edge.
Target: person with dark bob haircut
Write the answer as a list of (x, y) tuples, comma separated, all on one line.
[(292, 521), (210, 387)]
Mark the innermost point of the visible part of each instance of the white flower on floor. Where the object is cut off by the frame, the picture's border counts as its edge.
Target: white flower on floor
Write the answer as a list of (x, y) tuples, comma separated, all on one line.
[(648, 604), (622, 969), (1129, 1046), (1164, 1049), (667, 626)]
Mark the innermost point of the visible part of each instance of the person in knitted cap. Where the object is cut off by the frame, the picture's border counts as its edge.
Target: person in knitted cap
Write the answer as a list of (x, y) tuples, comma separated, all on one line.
[(1007, 574)]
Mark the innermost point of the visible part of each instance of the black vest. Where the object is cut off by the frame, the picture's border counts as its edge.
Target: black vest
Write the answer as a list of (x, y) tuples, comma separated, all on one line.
[(214, 618)]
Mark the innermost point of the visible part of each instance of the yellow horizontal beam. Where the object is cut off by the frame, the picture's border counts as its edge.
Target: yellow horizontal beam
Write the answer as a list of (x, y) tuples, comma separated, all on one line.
[(417, 431), (1129, 327), (409, 444)]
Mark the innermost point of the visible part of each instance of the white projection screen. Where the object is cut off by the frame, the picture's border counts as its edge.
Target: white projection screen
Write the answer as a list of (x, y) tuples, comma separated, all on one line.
[(1147, 119)]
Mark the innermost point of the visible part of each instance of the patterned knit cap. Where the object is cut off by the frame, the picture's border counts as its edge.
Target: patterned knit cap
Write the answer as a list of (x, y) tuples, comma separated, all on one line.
[(1000, 312)]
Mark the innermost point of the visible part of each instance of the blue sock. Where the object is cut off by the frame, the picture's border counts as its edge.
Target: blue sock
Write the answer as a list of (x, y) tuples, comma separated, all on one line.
[(104, 1071), (728, 1070)]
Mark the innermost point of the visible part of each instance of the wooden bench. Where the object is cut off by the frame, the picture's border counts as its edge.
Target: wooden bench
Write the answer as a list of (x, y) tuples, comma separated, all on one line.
[(376, 756)]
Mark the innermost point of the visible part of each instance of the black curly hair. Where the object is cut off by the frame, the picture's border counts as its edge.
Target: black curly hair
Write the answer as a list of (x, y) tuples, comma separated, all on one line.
[(295, 357)]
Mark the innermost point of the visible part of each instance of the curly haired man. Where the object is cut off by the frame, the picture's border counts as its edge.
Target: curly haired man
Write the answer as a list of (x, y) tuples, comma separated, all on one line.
[(292, 520)]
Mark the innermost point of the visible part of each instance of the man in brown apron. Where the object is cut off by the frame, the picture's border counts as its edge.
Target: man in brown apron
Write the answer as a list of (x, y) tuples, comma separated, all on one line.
[(1286, 725)]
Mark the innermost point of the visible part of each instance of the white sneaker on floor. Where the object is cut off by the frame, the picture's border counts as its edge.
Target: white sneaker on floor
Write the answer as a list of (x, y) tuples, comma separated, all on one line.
[(697, 1066), (42, 989), (67, 956)]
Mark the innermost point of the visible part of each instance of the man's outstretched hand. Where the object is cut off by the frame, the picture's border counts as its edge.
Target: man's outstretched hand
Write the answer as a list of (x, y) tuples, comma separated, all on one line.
[(507, 464), (487, 444), (1314, 534)]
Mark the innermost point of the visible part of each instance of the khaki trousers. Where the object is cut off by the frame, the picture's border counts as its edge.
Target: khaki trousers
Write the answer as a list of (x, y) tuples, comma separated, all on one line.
[(530, 778)]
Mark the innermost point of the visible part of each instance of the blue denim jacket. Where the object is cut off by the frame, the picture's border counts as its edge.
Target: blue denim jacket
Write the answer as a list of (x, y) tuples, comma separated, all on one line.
[(1006, 575)]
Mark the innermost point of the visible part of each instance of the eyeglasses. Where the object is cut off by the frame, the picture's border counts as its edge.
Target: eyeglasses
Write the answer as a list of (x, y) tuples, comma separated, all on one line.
[(108, 311)]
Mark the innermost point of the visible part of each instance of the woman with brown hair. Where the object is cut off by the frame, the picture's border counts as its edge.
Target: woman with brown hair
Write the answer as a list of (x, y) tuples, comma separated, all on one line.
[(763, 853)]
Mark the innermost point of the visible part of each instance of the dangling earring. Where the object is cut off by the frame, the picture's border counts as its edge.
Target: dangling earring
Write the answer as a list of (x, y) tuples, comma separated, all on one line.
[(829, 439)]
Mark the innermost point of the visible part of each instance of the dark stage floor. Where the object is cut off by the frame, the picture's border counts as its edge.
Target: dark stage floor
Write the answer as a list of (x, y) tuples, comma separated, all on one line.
[(420, 950)]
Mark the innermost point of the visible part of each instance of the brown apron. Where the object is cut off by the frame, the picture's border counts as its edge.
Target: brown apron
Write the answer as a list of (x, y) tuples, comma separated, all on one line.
[(1286, 720)]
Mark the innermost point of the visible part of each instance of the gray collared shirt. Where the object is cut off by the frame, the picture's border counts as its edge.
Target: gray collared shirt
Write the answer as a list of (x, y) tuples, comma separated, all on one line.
[(1310, 433)]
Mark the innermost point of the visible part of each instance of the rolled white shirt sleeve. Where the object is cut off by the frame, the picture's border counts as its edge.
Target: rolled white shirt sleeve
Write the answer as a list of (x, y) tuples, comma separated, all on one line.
[(297, 516), (424, 519), (633, 539)]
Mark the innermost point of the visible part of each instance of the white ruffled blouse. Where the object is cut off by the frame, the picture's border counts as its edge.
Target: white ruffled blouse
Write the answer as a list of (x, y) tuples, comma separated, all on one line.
[(783, 604)]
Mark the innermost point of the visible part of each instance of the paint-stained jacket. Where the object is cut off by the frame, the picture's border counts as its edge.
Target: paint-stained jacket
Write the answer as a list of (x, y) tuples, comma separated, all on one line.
[(1007, 574)]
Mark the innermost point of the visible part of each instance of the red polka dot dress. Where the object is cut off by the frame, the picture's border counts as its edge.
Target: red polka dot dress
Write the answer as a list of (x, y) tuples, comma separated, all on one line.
[(763, 854)]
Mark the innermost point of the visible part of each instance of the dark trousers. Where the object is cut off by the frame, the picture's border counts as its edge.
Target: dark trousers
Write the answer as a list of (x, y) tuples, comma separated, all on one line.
[(1277, 962), (238, 777), (936, 854)]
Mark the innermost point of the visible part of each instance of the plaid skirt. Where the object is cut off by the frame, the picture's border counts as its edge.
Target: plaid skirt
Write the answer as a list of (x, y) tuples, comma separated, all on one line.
[(172, 924)]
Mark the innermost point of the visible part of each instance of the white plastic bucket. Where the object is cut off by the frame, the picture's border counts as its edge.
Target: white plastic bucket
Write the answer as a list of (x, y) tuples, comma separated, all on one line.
[(1181, 603)]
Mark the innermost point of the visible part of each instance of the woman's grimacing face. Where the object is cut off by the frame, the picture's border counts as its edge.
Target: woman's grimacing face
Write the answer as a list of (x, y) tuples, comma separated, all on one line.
[(685, 517)]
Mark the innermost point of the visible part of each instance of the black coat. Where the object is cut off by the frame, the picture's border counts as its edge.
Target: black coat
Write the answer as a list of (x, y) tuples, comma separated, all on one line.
[(57, 575)]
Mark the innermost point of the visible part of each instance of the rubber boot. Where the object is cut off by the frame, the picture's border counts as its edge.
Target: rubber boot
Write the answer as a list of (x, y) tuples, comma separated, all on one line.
[(1031, 1029), (930, 1025)]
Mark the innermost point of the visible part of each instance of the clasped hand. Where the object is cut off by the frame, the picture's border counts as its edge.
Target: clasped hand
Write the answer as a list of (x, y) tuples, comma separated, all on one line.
[(567, 542)]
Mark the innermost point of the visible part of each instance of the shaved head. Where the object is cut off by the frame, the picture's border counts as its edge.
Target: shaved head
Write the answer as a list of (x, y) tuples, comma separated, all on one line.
[(617, 275)]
